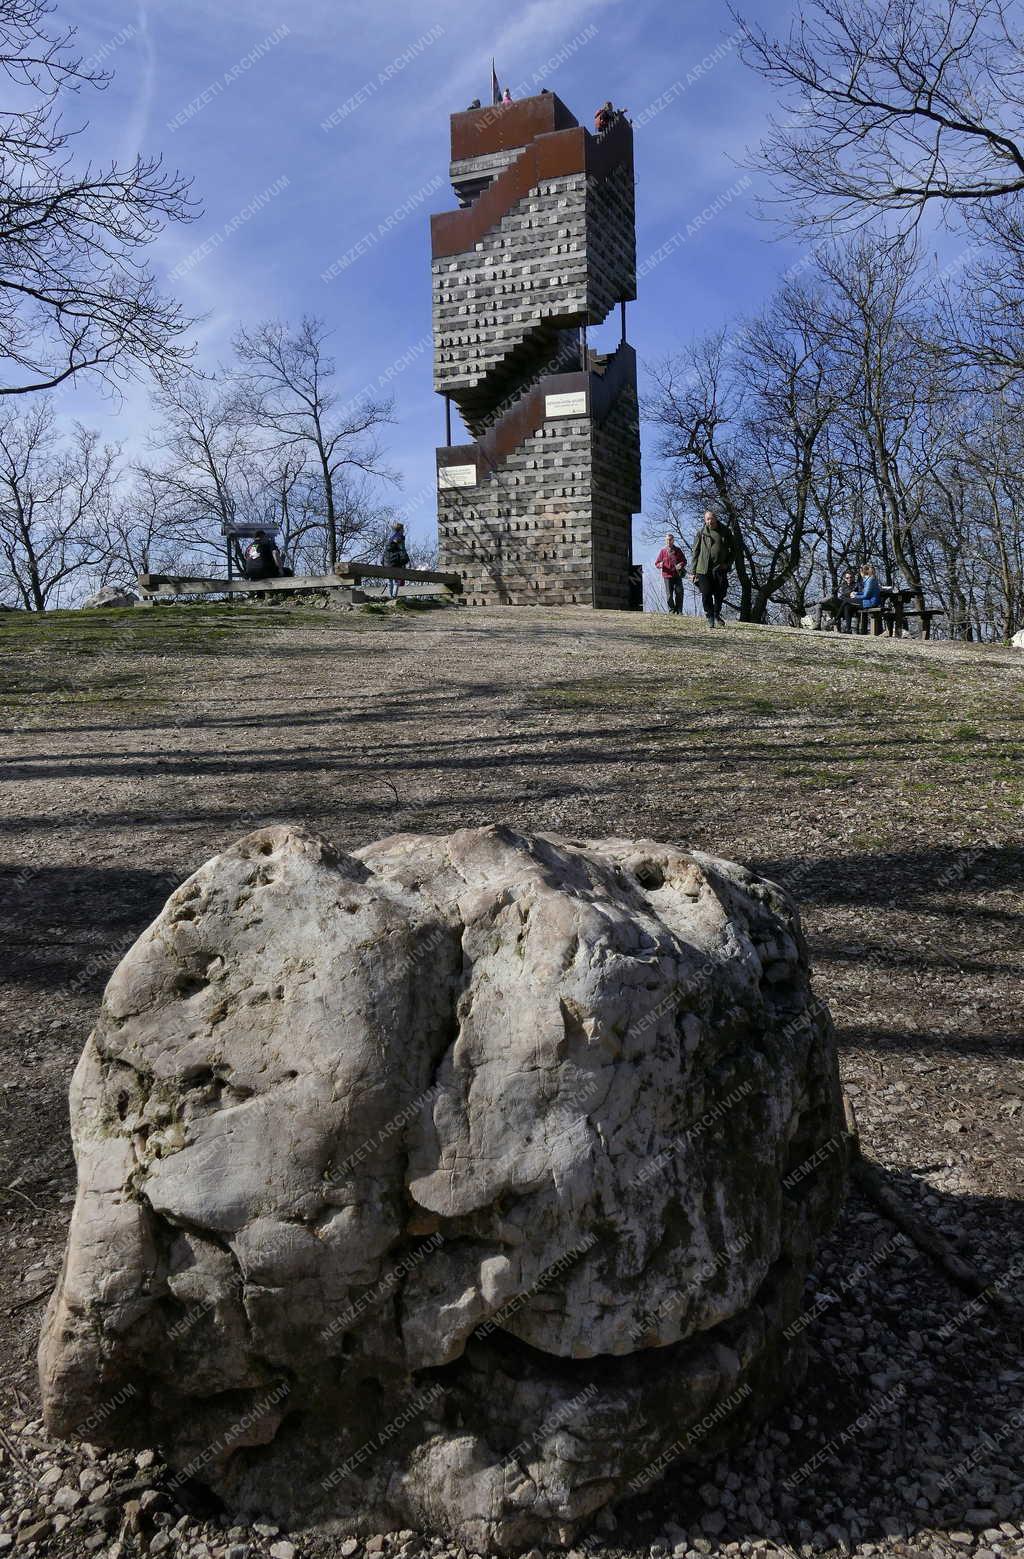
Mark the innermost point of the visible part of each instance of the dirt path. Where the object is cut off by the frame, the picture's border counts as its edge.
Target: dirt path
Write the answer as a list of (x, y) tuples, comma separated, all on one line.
[(881, 782)]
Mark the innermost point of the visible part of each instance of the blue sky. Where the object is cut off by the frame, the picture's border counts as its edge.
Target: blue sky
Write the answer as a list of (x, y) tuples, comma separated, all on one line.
[(314, 129)]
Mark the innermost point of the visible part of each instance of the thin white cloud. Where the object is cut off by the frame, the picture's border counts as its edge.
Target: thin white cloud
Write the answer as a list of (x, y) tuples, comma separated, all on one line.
[(143, 69)]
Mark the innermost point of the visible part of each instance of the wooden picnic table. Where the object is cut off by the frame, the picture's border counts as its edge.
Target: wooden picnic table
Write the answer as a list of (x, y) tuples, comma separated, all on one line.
[(893, 614), (895, 598)]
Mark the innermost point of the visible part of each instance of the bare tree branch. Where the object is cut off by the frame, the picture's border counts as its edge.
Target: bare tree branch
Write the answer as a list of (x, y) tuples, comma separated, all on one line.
[(890, 105), (76, 295)]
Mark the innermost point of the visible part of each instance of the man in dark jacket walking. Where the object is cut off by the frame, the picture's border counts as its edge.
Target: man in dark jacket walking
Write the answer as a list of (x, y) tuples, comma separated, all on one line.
[(714, 553)]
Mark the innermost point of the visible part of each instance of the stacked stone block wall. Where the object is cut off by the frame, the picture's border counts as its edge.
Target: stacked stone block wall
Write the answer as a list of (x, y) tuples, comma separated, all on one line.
[(615, 489), (524, 279), (472, 174), (610, 242), (523, 535), (549, 522)]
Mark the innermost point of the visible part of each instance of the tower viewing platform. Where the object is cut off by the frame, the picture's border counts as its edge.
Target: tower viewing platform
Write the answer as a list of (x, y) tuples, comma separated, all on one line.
[(537, 506)]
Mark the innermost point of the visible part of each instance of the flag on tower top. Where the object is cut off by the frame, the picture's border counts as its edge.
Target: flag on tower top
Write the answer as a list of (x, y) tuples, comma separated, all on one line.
[(495, 87)]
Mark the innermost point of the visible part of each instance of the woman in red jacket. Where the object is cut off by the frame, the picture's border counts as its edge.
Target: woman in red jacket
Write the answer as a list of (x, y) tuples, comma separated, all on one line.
[(671, 565)]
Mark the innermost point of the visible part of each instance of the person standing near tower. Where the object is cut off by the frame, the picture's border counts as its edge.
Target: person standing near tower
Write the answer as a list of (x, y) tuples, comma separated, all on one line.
[(671, 565), (395, 555), (714, 553)]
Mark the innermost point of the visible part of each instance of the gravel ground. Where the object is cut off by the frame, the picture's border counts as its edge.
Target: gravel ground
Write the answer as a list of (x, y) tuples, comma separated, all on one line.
[(881, 782)]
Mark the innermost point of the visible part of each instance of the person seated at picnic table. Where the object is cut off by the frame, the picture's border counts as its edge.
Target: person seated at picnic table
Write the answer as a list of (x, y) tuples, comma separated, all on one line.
[(870, 593), (395, 555), (262, 558), (844, 600)]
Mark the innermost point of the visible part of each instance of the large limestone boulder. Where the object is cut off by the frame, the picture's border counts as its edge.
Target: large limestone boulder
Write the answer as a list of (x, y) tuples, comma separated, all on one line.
[(462, 1183)]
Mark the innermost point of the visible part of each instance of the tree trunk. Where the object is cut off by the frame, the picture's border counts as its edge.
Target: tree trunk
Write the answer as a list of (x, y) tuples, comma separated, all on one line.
[(330, 514), (35, 599)]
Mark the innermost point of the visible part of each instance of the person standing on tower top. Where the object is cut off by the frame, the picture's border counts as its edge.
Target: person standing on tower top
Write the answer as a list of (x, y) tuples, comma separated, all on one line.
[(714, 552)]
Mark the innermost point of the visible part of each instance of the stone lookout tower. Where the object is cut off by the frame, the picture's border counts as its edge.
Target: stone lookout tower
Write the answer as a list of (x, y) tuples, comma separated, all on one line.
[(538, 508)]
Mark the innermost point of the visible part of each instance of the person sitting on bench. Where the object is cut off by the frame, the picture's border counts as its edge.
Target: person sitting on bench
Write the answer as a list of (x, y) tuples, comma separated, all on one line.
[(262, 558), (845, 607), (869, 595)]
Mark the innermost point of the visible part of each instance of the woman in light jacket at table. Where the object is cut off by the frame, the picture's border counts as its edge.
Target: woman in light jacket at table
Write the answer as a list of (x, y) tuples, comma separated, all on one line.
[(870, 593)]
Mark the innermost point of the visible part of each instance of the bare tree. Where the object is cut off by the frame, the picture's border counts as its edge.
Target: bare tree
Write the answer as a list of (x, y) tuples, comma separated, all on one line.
[(363, 519), (893, 104), (789, 355), (892, 380), (293, 499), (137, 538), (205, 479), (742, 431), (988, 530), (54, 500), (698, 406), (76, 295), (287, 378)]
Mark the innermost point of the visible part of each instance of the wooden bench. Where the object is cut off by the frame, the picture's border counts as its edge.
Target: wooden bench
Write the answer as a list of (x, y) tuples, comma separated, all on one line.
[(874, 615), (870, 618), (885, 619), (926, 618), (346, 578), (154, 587), (356, 572)]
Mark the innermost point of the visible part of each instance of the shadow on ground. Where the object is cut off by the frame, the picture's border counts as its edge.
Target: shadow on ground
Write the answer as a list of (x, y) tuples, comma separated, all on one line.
[(907, 1420)]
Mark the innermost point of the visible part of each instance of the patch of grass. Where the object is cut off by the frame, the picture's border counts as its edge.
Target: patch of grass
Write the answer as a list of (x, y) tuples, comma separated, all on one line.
[(596, 692), (178, 629), (413, 603), (90, 659)]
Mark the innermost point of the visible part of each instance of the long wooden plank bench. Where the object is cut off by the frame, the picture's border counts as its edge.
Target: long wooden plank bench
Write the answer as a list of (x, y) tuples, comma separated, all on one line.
[(884, 619), (155, 585), (356, 572), (347, 577)]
